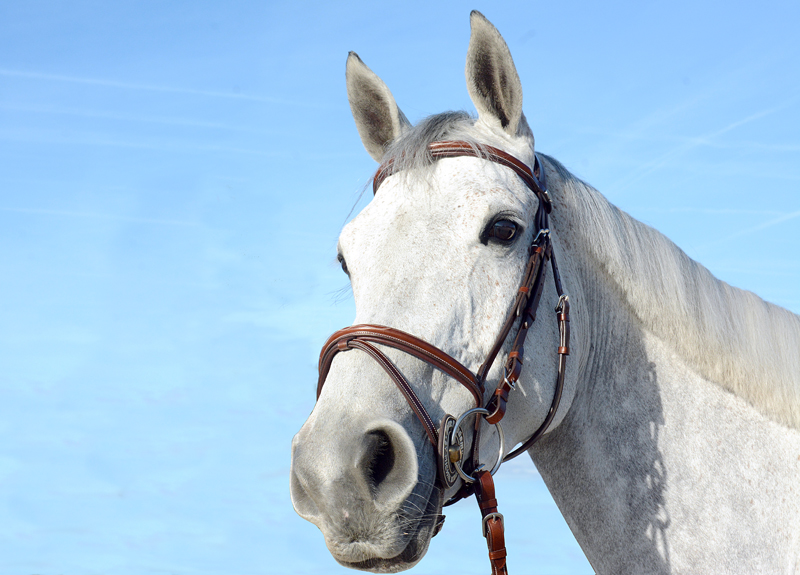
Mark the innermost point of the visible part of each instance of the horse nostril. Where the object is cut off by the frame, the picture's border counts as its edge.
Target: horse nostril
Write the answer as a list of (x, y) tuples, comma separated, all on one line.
[(379, 458)]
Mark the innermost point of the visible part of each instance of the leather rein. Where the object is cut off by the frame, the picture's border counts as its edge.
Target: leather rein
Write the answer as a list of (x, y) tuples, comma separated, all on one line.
[(448, 438)]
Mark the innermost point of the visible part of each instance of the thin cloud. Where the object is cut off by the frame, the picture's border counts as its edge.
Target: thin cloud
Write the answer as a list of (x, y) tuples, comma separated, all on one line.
[(177, 147), (750, 231), (95, 215), (131, 118), (90, 140), (705, 211), (644, 129), (641, 136), (151, 88), (681, 149)]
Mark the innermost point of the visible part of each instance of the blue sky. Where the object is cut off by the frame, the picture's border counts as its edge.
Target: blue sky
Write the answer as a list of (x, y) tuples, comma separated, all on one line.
[(173, 178)]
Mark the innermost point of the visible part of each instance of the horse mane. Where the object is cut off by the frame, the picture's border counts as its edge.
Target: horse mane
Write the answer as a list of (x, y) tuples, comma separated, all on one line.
[(730, 336)]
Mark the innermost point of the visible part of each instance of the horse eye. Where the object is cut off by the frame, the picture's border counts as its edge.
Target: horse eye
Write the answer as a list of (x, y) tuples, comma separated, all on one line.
[(340, 257), (503, 230)]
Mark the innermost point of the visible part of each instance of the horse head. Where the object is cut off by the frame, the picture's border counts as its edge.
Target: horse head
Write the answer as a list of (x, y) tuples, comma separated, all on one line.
[(440, 253)]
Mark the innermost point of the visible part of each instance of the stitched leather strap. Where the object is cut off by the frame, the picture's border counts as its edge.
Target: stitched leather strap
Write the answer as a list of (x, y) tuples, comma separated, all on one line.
[(562, 315), (525, 307), (534, 179), (492, 521), (364, 335)]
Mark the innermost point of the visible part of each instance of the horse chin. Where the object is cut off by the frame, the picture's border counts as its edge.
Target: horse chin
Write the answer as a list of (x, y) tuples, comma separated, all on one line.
[(412, 535)]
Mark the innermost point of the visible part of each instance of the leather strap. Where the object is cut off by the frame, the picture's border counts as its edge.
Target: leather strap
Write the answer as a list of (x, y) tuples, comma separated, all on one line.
[(525, 307), (562, 315), (492, 522), (534, 179), (364, 335)]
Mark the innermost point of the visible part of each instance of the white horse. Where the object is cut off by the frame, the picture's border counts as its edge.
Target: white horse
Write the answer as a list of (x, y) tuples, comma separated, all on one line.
[(676, 446)]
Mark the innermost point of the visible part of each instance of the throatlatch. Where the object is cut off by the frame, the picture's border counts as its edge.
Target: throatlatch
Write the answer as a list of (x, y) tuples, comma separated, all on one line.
[(448, 439)]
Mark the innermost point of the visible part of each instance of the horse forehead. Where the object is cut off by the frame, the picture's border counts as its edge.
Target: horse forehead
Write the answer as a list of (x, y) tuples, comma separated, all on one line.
[(457, 193)]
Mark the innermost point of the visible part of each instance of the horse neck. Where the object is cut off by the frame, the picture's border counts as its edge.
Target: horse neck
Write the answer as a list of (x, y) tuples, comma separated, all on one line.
[(622, 450), (603, 463), (650, 451), (727, 335)]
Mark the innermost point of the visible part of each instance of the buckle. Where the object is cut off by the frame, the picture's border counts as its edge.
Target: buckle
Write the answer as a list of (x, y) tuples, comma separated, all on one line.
[(542, 233), (498, 516), (511, 384)]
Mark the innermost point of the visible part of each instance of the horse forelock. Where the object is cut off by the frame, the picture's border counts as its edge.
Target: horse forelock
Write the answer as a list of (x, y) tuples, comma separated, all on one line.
[(409, 154), (728, 335)]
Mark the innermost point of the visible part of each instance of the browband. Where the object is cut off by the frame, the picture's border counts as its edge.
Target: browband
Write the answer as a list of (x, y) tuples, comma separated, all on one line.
[(535, 180)]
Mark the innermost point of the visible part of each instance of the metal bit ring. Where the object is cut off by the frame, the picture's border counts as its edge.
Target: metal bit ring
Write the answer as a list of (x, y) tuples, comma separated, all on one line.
[(459, 421)]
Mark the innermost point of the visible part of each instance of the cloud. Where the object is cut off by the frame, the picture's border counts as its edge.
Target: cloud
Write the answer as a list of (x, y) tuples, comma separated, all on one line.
[(95, 215), (705, 211), (160, 145), (132, 118), (690, 144), (750, 231), (151, 87)]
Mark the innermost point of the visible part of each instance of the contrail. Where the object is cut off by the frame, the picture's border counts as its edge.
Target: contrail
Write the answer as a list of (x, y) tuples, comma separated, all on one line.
[(92, 140), (692, 210), (150, 87), (641, 136), (99, 216), (681, 149), (174, 121), (749, 231)]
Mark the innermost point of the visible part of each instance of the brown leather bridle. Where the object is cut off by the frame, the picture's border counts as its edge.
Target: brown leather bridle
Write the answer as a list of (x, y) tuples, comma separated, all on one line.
[(448, 440)]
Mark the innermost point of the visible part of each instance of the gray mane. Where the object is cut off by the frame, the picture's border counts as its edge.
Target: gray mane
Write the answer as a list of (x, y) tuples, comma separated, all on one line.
[(730, 336)]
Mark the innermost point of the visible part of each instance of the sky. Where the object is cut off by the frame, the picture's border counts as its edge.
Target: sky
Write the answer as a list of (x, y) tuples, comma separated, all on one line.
[(173, 179)]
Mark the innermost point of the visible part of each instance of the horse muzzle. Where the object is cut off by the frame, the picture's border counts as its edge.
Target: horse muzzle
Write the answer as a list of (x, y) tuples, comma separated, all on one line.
[(360, 484)]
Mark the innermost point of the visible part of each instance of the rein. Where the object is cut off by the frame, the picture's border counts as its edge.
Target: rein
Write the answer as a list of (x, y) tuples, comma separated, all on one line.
[(448, 438)]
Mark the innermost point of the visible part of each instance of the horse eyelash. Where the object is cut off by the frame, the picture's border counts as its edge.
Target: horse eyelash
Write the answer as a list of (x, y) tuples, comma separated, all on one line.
[(343, 263)]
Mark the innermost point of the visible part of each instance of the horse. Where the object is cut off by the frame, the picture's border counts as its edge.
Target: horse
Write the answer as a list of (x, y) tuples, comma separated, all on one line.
[(675, 444)]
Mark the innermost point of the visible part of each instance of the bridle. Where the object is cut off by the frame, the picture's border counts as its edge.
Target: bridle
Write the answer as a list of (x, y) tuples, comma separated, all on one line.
[(448, 439)]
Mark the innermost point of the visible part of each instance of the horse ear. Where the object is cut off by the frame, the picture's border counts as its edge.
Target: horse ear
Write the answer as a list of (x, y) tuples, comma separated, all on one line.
[(378, 119), (492, 78)]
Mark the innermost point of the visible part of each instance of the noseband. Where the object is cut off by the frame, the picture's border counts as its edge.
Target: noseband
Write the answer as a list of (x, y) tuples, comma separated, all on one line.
[(448, 439)]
